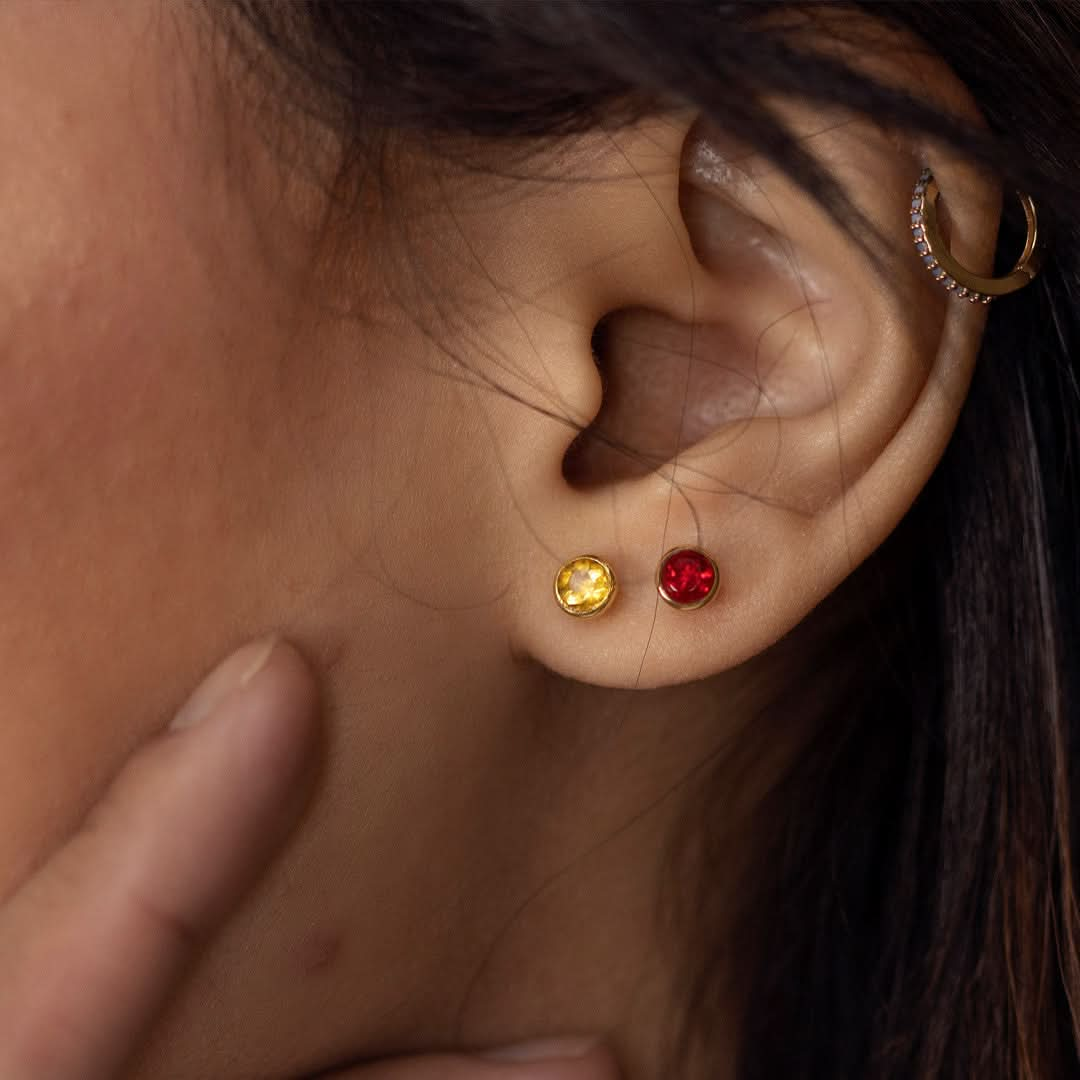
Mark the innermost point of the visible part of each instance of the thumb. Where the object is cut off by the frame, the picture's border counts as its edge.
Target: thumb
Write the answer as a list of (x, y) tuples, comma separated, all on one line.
[(92, 942)]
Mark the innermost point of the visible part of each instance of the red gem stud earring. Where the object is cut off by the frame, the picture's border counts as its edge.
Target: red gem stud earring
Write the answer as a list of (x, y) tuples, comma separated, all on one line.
[(686, 578)]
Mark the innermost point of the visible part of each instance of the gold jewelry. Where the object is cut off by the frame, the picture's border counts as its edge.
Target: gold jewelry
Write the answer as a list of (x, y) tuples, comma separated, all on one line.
[(957, 278), (585, 586), (686, 578)]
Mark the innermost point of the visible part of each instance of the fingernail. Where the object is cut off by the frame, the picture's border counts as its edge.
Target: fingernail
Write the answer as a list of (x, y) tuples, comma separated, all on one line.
[(562, 1048), (231, 674)]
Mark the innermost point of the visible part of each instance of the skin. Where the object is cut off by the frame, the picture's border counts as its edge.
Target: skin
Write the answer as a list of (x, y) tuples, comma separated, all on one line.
[(231, 774), (211, 430)]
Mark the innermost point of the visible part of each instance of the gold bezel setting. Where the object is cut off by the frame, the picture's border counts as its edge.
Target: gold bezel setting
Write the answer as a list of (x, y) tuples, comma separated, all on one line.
[(604, 581), (674, 601)]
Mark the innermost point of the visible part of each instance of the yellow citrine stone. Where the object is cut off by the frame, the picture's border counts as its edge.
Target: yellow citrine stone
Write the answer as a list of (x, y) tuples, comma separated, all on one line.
[(585, 585)]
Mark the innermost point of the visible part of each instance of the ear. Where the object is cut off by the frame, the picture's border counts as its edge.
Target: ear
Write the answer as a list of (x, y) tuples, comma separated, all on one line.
[(762, 390)]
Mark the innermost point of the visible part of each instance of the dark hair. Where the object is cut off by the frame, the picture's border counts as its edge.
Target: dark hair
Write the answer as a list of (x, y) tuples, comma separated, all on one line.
[(914, 913)]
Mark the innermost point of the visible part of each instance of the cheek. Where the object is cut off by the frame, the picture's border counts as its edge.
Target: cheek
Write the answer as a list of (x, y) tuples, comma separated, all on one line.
[(143, 451), (112, 438), (138, 420)]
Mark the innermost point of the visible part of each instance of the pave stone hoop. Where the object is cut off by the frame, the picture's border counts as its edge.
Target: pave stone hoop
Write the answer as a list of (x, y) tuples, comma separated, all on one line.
[(937, 258)]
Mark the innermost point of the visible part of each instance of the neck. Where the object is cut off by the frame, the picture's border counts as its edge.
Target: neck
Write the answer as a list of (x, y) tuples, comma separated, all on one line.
[(484, 862)]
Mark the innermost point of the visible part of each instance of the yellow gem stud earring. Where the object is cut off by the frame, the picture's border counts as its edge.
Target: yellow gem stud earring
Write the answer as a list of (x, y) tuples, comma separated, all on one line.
[(958, 279), (585, 586)]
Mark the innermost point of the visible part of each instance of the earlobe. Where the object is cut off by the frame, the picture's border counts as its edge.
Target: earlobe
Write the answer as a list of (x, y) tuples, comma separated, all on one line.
[(778, 406)]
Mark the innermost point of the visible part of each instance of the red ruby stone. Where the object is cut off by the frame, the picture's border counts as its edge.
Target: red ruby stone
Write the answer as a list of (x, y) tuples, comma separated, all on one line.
[(687, 577)]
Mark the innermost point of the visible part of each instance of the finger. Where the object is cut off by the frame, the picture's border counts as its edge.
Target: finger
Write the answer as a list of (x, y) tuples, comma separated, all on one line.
[(548, 1060), (91, 943)]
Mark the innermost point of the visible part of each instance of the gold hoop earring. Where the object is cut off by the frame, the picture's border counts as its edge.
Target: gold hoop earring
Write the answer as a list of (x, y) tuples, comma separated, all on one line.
[(585, 586), (948, 271)]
